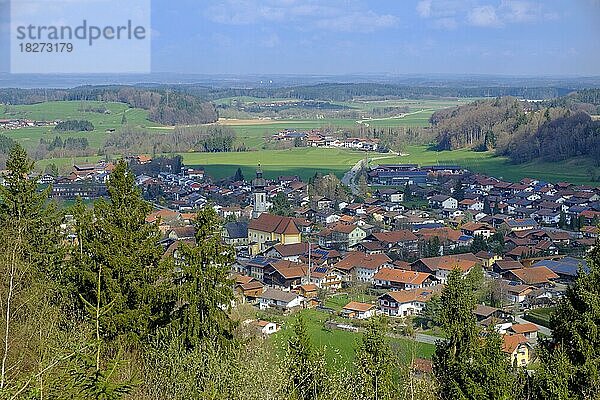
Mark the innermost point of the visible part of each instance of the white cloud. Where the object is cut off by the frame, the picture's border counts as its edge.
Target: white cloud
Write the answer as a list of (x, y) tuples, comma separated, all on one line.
[(448, 14), (358, 22), (484, 16), (336, 15), (424, 8)]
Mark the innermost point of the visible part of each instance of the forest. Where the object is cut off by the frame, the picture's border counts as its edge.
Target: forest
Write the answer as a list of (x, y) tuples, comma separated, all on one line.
[(92, 307), (130, 140), (521, 130), (165, 107)]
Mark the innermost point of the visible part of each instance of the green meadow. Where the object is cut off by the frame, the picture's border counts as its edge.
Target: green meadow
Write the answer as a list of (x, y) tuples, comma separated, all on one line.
[(71, 110), (339, 345)]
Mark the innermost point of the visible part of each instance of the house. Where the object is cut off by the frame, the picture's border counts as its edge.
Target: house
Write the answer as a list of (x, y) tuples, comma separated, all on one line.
[(528, 330), (440, 267), (404, 303), (247, 287), (517, 225), (277, 298), (514, 292), (327, 278), (290, 252), (475, 228), (441, 201), (483, 313), (503, 266), (361, 266), (358, 310), (235, 233), (308, 291), (518, 349), (269, 228), (265, 328), (534, 276), (341, 236), (398, 279), (285, 274)]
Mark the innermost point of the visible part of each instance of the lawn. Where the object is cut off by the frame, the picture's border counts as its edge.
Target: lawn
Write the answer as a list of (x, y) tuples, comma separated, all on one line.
[(540, 316), (339, 346), (303, 162)]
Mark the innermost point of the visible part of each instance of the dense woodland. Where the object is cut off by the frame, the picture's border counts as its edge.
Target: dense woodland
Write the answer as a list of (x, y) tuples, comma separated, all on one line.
[(108, 316), (131, 140), (523, 131), (165, 106)]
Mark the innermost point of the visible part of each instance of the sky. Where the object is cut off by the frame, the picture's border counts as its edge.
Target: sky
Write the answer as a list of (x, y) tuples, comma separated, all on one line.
[(336, 37)]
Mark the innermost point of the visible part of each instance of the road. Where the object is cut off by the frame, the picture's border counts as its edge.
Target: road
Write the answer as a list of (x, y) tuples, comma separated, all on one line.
[(349, 178)]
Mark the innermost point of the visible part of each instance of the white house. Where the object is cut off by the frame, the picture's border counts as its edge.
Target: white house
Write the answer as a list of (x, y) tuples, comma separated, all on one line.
[(279, 299), (357, 310)]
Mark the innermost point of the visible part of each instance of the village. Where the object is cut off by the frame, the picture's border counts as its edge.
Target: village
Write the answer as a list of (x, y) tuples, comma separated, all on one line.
[(393, 249)]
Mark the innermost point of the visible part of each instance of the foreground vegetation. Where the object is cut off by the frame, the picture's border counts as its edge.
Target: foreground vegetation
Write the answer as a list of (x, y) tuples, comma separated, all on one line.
[(107, 316)]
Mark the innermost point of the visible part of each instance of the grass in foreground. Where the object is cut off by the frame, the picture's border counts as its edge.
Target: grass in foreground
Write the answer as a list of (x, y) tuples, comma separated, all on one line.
[(339, 346)]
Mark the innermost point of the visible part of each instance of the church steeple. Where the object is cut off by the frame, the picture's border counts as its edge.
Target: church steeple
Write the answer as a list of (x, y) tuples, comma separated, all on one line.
[(259, 194)]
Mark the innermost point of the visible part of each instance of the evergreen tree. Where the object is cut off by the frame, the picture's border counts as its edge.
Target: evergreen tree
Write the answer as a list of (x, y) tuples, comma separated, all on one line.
[(281, 205), (239, 176), (486, 206), (432, 247), (305, 366), (479, 244), (575, 343), (458, 192), (204, 288), (374, 363), (123, 119), (468, 365), (117, 239), (407, 192)]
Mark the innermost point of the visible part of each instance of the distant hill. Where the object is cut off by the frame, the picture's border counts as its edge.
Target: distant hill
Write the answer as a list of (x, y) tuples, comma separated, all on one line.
[(523, 130), (165, 107)]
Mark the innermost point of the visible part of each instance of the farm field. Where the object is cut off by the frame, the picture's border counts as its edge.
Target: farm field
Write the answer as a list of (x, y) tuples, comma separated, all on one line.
[(339, 345), (304, 162), (70, 110)]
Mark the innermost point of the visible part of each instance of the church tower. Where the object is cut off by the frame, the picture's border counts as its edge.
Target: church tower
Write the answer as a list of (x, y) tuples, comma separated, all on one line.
[(259, 194)]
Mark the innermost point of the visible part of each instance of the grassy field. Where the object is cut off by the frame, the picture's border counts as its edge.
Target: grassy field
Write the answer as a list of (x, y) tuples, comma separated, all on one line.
[(339, 346), (303, 162), (71, 110), (540, 316)]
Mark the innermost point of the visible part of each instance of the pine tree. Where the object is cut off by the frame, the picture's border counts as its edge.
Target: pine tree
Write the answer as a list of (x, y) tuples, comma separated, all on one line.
[(305, 366), (117, 239), (479, 244), (374, 364), (575, 343), (281, 205), (239, 176), (468, 365), (204, 288)]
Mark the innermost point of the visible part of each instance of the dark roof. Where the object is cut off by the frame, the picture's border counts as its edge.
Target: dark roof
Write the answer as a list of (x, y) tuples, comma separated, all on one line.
[(237, 230)]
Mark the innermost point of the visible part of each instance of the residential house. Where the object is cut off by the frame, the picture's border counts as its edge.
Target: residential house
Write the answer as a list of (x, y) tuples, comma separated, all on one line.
[(358, 310), (235, 233), (398, 279), (518, 349), (440, 267), (441, 201), (534, 276), (361, 266), (269, 229), (276, 298), (404, 303), (527, 329)]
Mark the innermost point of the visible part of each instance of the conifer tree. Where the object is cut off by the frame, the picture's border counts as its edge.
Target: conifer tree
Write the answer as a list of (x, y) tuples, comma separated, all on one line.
[(117, 239), (374, 364), (571, 359), (469, 364), (305, 366)]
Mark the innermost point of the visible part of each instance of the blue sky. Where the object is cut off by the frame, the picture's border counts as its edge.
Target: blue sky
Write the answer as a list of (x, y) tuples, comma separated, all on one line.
[(508, 37)]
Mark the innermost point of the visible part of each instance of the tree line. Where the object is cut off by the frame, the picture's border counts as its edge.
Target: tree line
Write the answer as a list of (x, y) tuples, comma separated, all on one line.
[(131, 140), (523, 131)]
